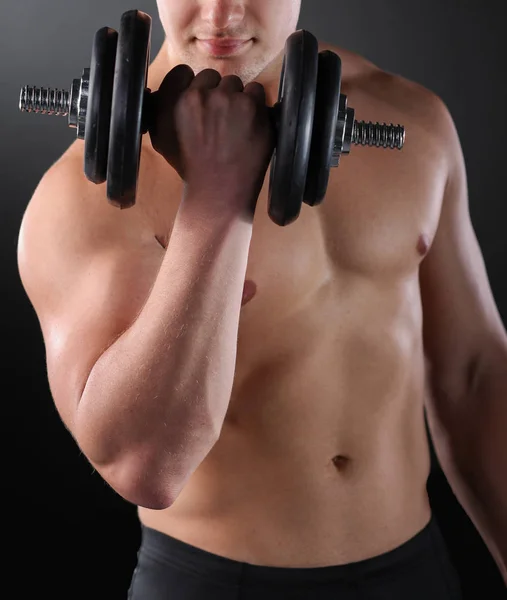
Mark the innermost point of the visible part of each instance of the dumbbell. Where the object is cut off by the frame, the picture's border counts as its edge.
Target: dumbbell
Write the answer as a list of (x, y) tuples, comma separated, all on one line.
[(110, 106)]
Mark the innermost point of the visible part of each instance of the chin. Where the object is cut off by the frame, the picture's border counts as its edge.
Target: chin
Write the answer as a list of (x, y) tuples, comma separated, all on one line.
[(245, 71), (247, 66)]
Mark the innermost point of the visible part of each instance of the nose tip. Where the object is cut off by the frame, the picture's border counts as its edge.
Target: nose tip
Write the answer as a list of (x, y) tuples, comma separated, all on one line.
[(221, 14)]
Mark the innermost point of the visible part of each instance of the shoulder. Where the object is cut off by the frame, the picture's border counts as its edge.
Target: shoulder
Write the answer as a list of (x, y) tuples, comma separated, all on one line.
[(65, 204), (363, 75), (380, 94)]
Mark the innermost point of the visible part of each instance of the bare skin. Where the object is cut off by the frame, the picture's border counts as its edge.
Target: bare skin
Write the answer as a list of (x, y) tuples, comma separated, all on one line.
[(323, 457)]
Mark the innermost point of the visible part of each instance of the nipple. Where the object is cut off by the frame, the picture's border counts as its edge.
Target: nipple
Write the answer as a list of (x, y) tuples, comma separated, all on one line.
[(423, 245), (161, 241), (249, 291)]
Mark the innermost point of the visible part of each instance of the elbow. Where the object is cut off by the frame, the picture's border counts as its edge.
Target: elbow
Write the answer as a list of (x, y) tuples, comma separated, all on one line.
[(131, 473), (153, 499), (135, 483)]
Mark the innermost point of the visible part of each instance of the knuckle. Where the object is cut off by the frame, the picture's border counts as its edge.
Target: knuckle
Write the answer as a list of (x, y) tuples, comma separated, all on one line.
[(192, 98), (247, 104), (219, 99), (210, 71), (234, 79), (256, 86), (209, 76)]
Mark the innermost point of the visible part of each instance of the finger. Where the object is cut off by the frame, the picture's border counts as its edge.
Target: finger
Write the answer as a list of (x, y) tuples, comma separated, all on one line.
[(206, 79), (256, 90), (231, 83), (176, 81), (159, 103)]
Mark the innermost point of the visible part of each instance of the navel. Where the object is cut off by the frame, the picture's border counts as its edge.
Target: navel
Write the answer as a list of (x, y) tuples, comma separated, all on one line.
[(341, 462), (249, 291), (423, 245)]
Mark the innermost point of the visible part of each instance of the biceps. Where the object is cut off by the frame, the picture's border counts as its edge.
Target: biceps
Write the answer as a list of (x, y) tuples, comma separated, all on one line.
[(458, 306)]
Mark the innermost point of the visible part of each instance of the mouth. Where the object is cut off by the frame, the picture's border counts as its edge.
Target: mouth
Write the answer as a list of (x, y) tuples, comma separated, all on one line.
[(223, 47)]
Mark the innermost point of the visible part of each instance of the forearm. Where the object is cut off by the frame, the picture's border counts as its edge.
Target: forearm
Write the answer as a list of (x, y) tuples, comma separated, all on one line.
[(157, 398), (469, 435)]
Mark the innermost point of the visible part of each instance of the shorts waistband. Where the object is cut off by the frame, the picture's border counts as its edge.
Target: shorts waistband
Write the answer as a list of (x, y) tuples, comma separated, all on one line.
[(179, 554)]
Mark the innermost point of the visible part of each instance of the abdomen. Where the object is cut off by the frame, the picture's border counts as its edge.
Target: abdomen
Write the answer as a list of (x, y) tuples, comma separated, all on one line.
[(323, 457)]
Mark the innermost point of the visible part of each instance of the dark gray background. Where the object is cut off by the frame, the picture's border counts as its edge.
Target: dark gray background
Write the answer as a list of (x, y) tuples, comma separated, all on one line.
[(61, 522)]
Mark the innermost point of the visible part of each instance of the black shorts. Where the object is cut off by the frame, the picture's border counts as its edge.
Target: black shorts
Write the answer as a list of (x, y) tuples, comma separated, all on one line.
[(169, 569)]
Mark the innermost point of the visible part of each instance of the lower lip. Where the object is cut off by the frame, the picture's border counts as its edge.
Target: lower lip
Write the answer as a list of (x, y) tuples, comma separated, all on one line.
[(223, 49)]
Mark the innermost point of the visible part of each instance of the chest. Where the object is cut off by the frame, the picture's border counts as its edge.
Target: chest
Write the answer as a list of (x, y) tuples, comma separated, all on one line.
[(381, 212), (378, 220)]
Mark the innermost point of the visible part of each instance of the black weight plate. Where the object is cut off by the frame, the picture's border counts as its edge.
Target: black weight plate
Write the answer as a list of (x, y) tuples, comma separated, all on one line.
[(130, 81), (289, 165), (98, 112), (324, 127)]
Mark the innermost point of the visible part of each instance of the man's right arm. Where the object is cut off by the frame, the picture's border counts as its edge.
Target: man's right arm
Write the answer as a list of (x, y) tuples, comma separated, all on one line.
[(140, 344)]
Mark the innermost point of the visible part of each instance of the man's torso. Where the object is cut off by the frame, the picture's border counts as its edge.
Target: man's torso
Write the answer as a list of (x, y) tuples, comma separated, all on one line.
[(323, 456)]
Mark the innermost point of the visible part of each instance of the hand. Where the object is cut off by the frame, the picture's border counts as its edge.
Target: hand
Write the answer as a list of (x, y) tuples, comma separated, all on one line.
[(162, 128), (216, 133)]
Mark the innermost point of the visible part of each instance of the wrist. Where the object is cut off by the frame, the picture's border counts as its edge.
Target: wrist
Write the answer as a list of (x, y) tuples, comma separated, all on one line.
[(222, 207)]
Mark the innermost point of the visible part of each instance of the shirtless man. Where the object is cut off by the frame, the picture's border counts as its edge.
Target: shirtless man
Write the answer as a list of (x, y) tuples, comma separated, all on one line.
[(258, 391)]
